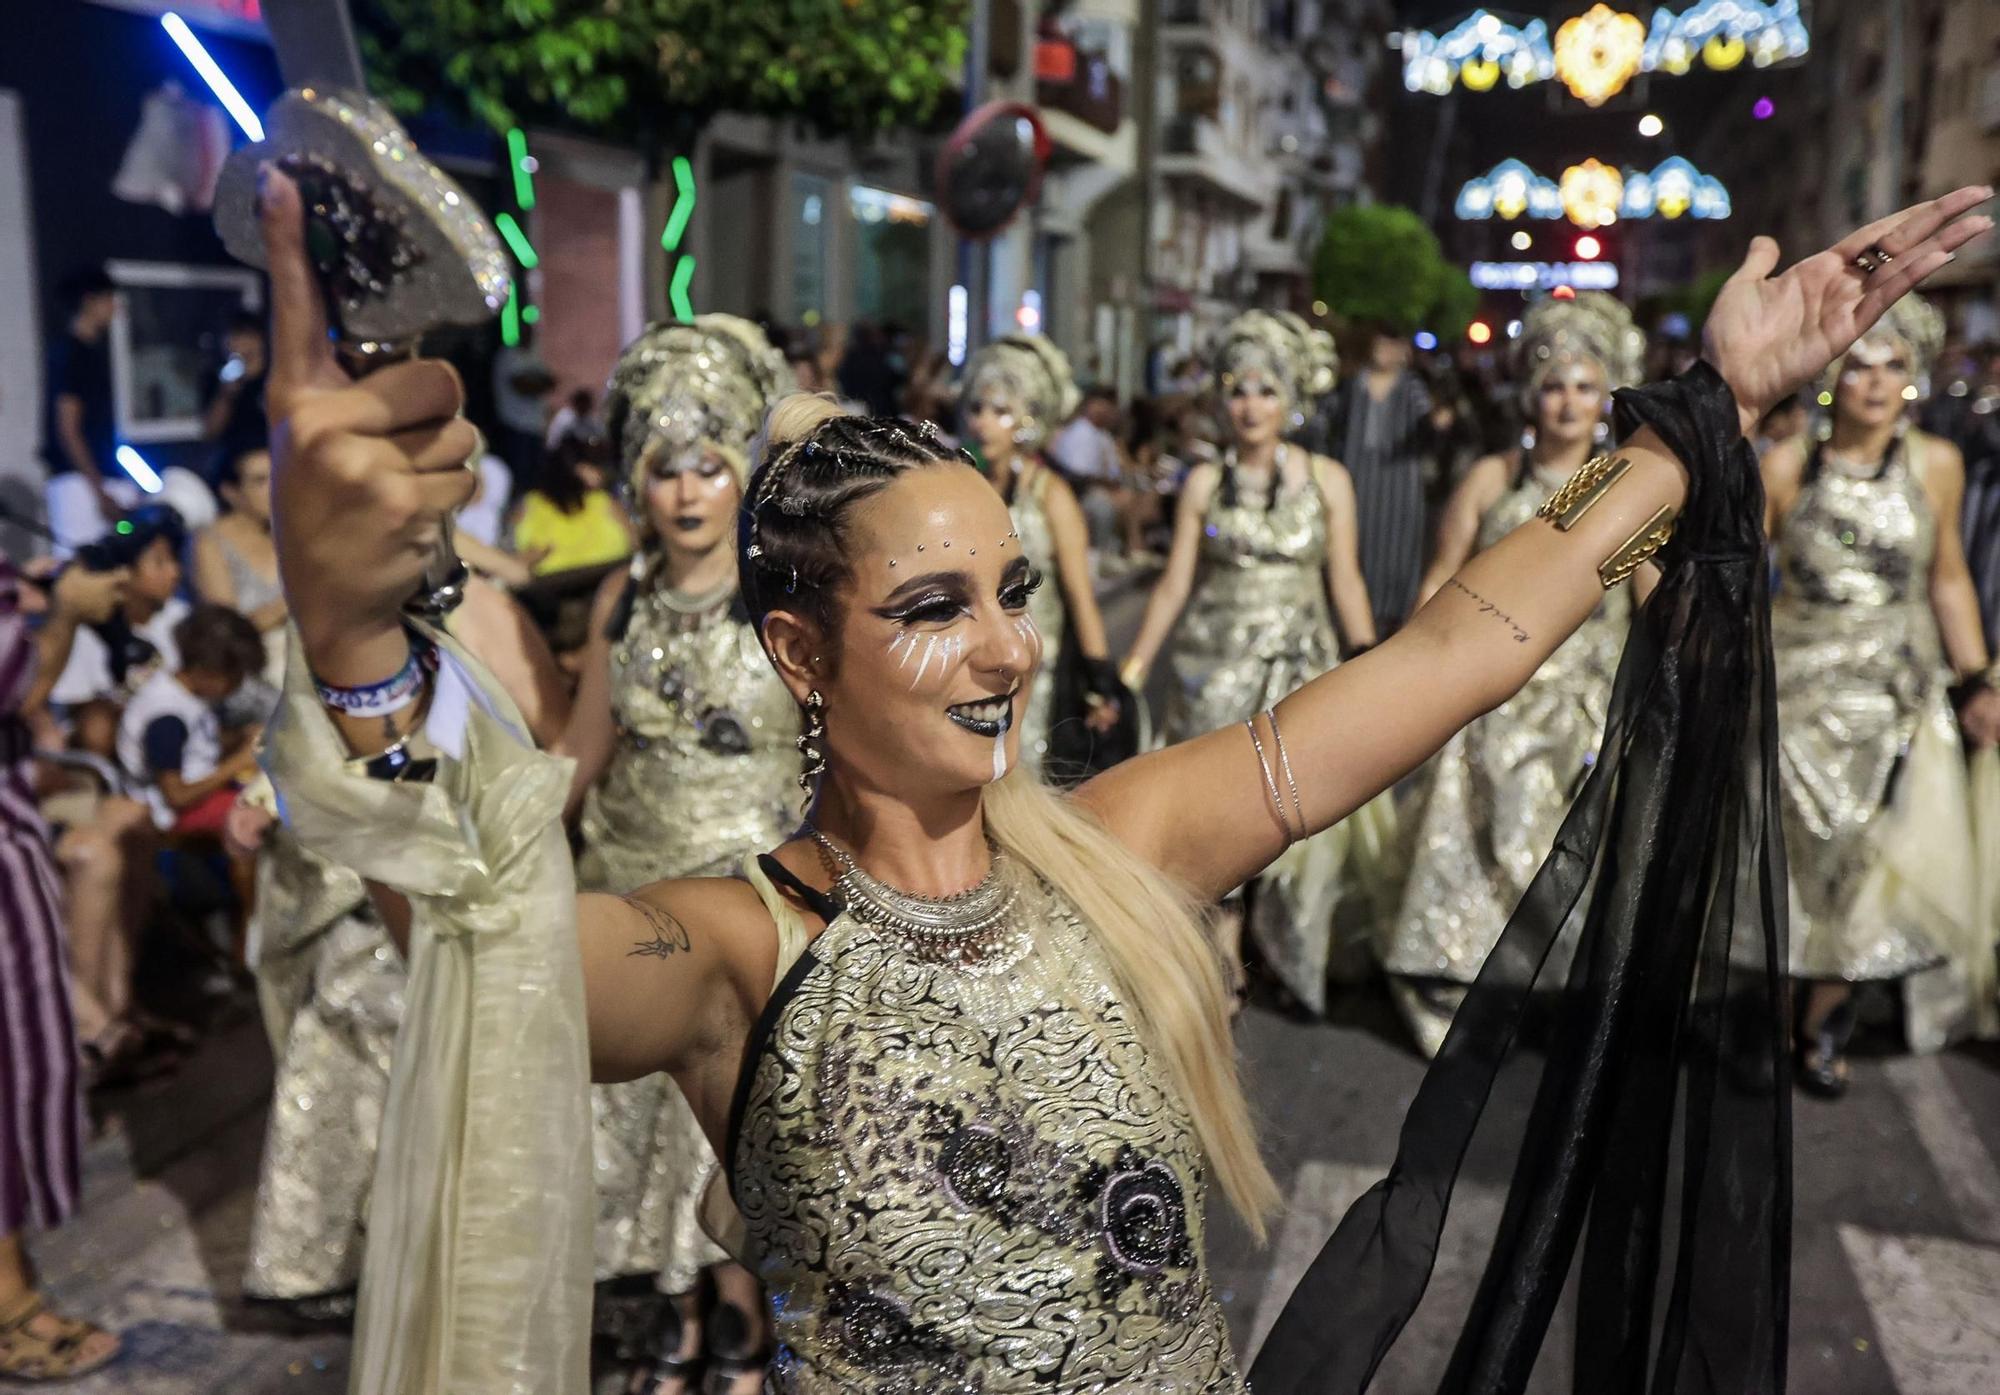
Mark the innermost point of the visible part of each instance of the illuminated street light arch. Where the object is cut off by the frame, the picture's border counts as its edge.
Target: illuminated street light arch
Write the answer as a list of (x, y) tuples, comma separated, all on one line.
[(1593, 194)]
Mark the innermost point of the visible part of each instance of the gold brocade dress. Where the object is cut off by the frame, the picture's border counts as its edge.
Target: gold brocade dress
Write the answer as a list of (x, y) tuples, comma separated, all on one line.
[(705, 770), (1257, 626), (1877, 813), (1045, 608), (1489, 804), (953, 1182), (331, 985)]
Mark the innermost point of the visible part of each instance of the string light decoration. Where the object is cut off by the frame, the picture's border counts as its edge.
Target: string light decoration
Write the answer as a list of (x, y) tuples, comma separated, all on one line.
[(1598, 53), (1478, 51), (1509, 190), (1593, 194)]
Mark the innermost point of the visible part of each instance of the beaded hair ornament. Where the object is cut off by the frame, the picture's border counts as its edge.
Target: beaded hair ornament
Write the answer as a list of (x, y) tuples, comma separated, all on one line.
[(1594, 325), (894, 437), (1301, 360)]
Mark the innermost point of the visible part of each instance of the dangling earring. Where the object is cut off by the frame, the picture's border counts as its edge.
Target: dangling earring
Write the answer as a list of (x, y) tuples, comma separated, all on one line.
[(1601, 432), (809, 742)]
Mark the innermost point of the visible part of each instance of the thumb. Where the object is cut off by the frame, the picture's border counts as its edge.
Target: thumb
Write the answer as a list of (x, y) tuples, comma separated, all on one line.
[(1760, 261), (301, 351)]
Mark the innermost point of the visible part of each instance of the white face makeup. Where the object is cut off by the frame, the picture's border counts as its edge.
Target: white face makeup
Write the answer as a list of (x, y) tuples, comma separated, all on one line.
[(1256, 406), (993, 418), (691, 499), (1874, 376), (1569, 400)]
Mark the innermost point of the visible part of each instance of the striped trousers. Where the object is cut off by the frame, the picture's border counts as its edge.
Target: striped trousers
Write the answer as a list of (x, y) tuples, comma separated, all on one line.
[(41, 1110), (1389, 523)]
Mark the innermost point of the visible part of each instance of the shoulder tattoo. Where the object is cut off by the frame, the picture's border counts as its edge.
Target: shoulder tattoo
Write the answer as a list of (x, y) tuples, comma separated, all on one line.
[(670, 937)]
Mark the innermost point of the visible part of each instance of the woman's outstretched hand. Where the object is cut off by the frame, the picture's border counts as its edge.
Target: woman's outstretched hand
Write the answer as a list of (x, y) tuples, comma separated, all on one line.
[(1770, 335), (364, 471)]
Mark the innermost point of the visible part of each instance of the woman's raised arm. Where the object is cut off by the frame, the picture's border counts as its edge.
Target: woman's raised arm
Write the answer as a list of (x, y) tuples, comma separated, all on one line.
[(1205, 812)]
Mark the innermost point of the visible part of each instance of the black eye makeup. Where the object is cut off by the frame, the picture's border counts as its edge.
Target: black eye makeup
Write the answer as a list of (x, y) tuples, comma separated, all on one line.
[(940, 598)]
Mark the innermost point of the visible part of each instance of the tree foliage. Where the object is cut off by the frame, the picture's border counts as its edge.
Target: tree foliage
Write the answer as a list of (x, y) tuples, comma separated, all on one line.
[(1378, 264), (631, 68)]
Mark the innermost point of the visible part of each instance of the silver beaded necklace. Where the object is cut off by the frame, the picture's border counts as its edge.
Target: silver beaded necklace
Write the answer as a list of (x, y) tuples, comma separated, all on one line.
[(969, 932)]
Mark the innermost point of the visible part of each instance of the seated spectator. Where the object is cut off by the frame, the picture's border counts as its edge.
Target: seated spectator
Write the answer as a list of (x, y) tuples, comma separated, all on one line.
[(107, 663), (570, 520), (233, 420), (1087, 452), (235, 563), (170, 739)]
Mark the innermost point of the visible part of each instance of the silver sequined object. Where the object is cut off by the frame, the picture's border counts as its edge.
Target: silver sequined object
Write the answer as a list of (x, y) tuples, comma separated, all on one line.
[(400, 247), (970, 930)]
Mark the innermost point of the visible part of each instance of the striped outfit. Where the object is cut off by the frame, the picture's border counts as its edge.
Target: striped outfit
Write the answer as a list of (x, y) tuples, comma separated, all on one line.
[(41, 1112), (1382, 445)]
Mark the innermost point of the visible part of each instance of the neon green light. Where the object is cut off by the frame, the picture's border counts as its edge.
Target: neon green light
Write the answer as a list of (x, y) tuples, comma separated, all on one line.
[(531, 314), (517, 160), (677, 293), (516, 240), (510, 317), (683, 209)]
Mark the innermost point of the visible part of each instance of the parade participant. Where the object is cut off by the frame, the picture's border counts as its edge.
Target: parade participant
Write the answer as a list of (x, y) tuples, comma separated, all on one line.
[(1875, 612), (1487, 812), (1381, 425), (686, 750), (1017, 389), (963, 1044), (1261, 540)]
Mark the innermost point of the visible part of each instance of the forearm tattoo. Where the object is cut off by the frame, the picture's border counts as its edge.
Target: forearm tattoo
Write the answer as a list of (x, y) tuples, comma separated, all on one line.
[(670, 937), (1487, 607)]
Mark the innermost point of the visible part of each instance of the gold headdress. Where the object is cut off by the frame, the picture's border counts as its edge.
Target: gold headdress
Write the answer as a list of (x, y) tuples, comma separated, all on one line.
[(1594, 325), (1302, 360), (1035, 374), (682, 386)]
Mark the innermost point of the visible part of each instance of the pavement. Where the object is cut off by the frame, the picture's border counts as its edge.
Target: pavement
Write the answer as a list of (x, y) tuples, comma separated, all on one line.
[(1896, 1264)]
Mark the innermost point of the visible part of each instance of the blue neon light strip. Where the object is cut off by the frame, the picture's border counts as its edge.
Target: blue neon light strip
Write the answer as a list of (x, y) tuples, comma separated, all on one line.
[(218, 82)]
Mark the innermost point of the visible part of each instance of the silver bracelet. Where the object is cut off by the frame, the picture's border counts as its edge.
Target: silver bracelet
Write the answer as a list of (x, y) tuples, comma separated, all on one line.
[(1271, 782), (1285, 762)]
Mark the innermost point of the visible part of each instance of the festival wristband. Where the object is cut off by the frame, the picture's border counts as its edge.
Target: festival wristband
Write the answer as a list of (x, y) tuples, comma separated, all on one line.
[(389, 696)]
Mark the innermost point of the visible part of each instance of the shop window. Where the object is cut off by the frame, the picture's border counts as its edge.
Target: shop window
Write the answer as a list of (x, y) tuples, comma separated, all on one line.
[(166, 343)]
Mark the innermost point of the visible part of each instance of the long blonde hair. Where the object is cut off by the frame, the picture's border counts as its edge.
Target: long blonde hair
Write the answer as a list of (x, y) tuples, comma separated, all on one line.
[(1151, 931)]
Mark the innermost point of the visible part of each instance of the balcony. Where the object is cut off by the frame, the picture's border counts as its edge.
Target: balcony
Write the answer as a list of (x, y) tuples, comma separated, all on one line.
[(1192, 150), (1080, 85)]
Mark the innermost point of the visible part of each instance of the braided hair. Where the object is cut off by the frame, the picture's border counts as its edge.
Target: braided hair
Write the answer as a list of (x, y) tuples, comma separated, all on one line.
[(818, 463)]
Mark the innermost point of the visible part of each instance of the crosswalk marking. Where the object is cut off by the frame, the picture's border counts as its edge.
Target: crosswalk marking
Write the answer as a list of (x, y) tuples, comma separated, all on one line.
[(1936, 1307), (1946, 1131)]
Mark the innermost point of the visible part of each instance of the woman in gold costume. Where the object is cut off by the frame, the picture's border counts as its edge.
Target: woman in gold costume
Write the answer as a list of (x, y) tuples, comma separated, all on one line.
[(962, 1042), (1875, 613), (1261, 541), (685, 744), (1489, 805), (1018, 389)]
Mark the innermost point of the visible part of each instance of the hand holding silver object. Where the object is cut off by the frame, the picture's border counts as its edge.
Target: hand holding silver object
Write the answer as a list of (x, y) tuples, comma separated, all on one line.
[(397, 247)]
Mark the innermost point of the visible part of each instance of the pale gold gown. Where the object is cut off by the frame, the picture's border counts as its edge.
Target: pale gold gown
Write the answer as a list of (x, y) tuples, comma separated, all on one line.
[(1878, 828), (705, 770), (1488, 805), (1045, 608), (1257, 626), (331, 985), (953, 1183)]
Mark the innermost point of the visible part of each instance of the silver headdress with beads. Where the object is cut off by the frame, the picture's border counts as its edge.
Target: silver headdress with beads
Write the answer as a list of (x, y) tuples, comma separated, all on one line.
[(681, 387), (1302, 361), (1916, 323), (1034, 374), (1593, 325)]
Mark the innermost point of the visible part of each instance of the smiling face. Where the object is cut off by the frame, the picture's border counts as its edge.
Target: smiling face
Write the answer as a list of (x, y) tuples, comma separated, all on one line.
[(1256, 407), (691, 500), (935, 653), (1873, 379), (1569, 401)]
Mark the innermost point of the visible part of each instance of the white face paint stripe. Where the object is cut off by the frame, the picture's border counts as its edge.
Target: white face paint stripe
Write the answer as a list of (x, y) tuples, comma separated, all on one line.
[(1029, 631), (1000, 754), (930, 648)]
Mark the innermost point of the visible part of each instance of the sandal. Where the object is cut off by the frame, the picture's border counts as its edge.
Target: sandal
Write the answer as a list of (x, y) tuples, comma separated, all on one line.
[(667, 1362), (36, 1357), (730, 1353)]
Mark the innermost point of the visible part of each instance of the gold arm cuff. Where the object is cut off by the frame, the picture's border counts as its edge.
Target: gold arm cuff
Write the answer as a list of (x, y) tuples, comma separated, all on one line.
[(1592, 481), (1637, 549)]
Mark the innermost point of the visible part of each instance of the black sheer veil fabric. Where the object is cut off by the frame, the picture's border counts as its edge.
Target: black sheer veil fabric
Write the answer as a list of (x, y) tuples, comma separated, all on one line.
[(1654, 1166)]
